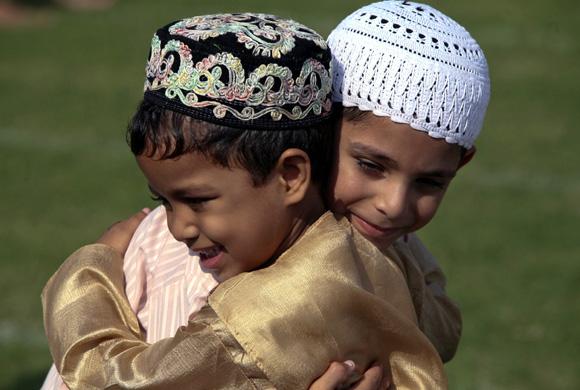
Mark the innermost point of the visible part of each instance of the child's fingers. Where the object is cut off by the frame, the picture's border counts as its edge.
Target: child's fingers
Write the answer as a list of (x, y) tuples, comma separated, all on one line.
[(373, 379), (134, 220), (119, 235), (129, 225), (335, 376)]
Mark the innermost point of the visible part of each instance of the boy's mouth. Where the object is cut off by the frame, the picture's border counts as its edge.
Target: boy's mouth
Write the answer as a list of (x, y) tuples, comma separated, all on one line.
[(209, 258), (372, 231)]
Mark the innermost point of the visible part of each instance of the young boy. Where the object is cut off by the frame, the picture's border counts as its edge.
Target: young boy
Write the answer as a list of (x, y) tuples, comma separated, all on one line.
[(246, 200)]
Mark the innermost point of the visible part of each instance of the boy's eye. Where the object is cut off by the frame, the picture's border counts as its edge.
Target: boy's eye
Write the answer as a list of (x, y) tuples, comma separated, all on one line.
[(369, 166), (157, 198), (162, 200), (197, 203), (431, 183)]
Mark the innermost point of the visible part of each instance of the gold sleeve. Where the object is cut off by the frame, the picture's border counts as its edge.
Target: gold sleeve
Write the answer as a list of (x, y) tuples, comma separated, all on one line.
[(96, 342), (439, 317)]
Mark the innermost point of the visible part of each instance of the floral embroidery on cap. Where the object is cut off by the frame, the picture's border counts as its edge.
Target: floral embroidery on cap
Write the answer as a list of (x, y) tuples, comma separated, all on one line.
[(219, 79), (241, 70), (265, 34)]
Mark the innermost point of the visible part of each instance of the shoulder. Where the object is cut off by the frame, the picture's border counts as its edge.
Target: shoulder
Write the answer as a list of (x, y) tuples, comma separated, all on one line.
[(326, 267)]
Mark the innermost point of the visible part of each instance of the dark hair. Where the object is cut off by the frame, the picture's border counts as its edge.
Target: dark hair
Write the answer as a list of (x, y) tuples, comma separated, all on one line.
[(156, 131), (354, 114)]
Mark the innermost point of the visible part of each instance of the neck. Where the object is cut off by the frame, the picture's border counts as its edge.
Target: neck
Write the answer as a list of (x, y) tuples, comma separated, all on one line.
[(305, 214)]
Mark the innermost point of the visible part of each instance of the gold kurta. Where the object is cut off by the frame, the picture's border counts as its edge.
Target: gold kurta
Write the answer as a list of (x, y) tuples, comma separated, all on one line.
[(331, 296), (439, 317)]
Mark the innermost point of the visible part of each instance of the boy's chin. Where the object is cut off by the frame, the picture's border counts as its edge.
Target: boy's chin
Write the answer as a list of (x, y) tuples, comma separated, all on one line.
[(219, 275)]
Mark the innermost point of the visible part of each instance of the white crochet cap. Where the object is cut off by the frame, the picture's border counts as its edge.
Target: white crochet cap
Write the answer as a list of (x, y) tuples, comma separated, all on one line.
[(414, 64)]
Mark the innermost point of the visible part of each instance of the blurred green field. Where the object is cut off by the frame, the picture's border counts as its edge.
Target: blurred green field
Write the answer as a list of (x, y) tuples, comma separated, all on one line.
[(507, 234)]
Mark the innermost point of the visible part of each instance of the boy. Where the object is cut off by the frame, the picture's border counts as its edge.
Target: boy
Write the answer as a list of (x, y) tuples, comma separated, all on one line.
[(246, 200), (415, 88)]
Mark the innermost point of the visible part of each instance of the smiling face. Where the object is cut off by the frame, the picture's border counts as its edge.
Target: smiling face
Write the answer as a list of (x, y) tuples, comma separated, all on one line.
[(218, 212), (389, 178)]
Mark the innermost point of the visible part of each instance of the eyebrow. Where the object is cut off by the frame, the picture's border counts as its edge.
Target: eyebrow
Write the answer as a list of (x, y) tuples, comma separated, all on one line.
[(378, 154), (183, 193), (371, 151), (439, 173), (357, 147)]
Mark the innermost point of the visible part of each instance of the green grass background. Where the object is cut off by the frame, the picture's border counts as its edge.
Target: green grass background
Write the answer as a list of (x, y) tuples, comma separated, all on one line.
[(506, 235)]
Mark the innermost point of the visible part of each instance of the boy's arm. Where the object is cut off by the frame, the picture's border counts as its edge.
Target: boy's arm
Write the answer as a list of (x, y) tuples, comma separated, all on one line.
[(84, 376), (439, 317), (89, 356)]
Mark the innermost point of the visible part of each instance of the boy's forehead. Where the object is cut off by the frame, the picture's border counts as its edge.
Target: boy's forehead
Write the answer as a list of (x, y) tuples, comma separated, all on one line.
[(188, 173), (382, 138), (241, 70)]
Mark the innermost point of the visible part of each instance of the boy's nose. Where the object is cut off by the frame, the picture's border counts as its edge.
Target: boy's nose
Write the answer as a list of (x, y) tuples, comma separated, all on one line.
[(393, 201), (182, 226)]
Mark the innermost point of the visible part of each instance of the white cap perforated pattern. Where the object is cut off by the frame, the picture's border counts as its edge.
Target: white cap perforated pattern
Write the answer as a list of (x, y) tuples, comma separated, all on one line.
[(414, 64)]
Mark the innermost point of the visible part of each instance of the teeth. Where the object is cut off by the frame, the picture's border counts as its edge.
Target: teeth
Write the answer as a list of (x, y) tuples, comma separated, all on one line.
[(209, 252)]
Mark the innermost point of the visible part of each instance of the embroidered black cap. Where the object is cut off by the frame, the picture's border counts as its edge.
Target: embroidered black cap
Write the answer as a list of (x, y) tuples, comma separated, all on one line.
[(241, 70)]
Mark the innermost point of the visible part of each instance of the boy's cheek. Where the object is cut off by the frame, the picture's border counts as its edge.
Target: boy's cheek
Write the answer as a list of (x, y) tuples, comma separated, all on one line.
[(349, 187), (426, 211)]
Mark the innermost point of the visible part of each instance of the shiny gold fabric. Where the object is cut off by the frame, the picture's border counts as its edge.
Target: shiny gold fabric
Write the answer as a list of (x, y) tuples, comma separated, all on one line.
[(323, 300), (96, 342), (329, 297), (439, 317)]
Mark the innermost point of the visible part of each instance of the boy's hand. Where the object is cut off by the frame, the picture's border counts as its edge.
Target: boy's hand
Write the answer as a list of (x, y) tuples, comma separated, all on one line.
[(337, 374), (119, 234)]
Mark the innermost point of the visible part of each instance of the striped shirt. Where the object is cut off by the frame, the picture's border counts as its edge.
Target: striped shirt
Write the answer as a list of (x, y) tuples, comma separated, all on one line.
[(164, 283)]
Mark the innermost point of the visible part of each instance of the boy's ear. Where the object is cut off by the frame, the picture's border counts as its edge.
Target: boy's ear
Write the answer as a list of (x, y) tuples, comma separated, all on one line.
[(467, 156), (294, 173)]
